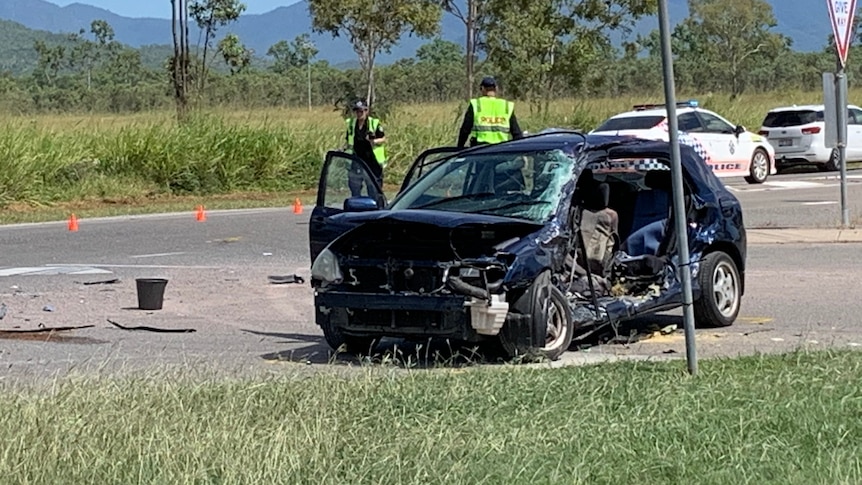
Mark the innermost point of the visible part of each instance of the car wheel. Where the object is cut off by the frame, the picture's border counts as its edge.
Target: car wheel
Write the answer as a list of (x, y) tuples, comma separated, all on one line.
[(550, 329), (350, 344), (834, 163), (758, 171), (720, 291)]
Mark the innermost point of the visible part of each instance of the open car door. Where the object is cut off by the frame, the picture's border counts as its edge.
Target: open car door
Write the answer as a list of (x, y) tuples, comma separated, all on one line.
[(346, 185), (425, 162)]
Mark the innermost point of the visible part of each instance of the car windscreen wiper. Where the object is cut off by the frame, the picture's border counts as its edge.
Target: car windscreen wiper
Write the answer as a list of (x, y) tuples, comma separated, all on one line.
[(510, 205), (483, 195)]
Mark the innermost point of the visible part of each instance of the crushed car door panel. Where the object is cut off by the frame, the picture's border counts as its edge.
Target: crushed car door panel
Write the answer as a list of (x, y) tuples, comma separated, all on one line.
[(346, 185)]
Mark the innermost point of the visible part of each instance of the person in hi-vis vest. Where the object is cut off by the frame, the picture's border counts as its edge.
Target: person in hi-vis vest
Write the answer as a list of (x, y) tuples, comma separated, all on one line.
[(489, 119), (365, 139)]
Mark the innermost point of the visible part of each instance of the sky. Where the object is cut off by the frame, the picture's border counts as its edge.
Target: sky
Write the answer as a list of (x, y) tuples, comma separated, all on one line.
[(162, 9)]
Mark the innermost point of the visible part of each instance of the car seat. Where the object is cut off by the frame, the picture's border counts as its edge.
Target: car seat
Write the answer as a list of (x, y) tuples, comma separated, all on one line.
[(509, 177), (654, 216), (599, 227)]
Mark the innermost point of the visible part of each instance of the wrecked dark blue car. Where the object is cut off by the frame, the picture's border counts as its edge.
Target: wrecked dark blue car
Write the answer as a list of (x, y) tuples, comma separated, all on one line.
[(520, 246)]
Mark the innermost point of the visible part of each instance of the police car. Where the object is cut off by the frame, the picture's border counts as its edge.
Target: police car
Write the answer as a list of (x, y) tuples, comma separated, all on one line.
[(730, 150)]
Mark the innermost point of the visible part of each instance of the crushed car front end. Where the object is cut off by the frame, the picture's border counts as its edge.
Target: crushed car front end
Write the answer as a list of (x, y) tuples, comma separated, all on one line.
[(419, 274)]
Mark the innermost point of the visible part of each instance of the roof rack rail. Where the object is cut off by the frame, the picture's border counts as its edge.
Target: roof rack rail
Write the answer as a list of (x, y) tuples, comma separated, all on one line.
[(691, 103)]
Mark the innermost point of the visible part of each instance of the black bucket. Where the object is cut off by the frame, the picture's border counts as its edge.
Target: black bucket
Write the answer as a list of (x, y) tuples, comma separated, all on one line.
[(151, 293)]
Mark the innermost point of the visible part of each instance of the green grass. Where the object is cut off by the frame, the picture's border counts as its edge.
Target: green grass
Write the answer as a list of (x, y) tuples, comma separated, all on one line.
[(790, 419), (51, 161)]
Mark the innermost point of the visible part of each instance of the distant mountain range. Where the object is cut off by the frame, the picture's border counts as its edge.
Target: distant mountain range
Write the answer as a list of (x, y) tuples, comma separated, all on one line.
[(807, 24)]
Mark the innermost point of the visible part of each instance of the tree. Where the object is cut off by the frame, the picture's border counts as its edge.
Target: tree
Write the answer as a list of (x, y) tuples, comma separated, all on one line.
[(374, 26), (440, 66), (180, 62), (87, 54), (733, 38), (474, 19), (283, 55), (234, 53), (305, 52), (51, 60), (537, 43), (209, 16), (440, 52)]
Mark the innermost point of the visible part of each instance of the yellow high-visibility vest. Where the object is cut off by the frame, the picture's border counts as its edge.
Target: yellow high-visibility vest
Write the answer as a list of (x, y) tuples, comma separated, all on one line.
[(491, 119)]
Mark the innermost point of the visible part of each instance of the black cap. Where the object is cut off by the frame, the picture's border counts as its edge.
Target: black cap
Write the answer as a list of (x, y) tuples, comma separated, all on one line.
[(488, 82), (360, 105)]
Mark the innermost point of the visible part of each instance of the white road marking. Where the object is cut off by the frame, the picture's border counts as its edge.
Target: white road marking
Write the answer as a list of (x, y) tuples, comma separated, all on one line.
[(157, 255), (147, 266), (53, 270), (793, 184), (822, 202)]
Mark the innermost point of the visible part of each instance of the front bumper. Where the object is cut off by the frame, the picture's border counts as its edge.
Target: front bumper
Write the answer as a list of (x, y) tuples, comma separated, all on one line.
[(406, 316)]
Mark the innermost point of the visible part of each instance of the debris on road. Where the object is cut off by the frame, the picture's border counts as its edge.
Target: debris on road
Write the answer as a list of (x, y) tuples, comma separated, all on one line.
[(669, 329), (48, 308), (226, 240), (152, 329), (43, 329), (281, 280), (101, 282), (2, 310)]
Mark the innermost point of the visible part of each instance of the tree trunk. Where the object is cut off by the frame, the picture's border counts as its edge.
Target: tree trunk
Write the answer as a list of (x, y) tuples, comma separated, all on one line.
[(369, 99), (203, 72), (370, 55), (471, 45), (179, 69)]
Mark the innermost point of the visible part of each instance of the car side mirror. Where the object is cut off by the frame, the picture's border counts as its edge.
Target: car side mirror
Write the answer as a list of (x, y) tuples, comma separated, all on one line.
[(360, 204), (739, 130)]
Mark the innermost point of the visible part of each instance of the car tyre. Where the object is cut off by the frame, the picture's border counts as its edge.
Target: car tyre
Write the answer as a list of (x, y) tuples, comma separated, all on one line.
[(759, 168), (721, 291), (350, 344), (833, 165), (550, 317)]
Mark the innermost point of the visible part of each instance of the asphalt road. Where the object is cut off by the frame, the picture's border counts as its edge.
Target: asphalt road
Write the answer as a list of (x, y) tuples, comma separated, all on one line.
[(799, 200), (797, 295)]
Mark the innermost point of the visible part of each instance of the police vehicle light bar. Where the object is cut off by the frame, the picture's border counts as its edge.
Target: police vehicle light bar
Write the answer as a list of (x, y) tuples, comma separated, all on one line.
[(691, 103)]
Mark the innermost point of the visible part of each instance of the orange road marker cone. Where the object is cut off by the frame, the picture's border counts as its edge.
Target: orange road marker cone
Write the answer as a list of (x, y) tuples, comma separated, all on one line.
[(201, 216), (297, 206), (73, 223)]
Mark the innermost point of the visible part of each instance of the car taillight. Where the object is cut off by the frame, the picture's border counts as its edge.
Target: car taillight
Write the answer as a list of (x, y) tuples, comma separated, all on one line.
[(811, 131), (763, 133)]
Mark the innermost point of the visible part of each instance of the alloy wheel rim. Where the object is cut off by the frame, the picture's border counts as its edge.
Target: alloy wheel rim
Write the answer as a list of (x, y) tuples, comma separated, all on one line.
[(760, 166), (725, 289), (556, 325)]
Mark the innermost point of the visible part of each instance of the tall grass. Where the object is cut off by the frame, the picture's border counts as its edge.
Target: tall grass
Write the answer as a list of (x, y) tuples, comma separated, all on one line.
[(46, 159), (791, 419)]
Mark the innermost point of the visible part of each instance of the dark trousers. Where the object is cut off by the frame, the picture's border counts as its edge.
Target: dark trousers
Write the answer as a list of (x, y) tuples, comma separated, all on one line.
[(358, 176)]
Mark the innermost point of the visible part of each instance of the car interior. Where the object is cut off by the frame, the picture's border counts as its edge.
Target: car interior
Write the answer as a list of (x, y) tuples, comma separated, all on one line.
[(626, 221)]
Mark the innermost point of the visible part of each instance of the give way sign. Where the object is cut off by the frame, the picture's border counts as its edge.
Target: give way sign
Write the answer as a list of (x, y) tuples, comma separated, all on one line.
[(841, 13)]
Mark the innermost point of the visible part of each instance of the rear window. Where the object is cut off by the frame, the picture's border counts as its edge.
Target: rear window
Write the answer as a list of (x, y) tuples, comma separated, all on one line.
[(783, 119), (630, 123)]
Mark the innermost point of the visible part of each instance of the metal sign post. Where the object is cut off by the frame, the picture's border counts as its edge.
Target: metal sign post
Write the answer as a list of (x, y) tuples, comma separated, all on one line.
[(841, 14), (678, 200)]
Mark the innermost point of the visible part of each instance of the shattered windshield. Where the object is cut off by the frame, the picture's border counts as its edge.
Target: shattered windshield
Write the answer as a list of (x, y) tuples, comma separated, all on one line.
[(523, 185)]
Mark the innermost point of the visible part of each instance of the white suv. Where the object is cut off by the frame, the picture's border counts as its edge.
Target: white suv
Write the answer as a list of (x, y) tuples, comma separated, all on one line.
[(729, 150), (797, 133)]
